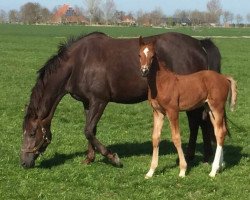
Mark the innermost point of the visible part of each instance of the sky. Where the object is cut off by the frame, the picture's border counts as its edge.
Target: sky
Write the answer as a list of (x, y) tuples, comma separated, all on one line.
[(241, 7)]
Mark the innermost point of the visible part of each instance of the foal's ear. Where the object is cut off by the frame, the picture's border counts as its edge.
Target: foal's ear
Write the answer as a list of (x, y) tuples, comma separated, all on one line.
[(141, 41)]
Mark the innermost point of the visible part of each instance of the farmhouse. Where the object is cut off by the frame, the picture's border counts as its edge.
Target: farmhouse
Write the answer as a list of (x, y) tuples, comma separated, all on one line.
[(66, 14)]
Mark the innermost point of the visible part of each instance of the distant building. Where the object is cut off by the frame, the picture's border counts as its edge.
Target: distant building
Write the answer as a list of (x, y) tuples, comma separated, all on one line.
[(66, 14)]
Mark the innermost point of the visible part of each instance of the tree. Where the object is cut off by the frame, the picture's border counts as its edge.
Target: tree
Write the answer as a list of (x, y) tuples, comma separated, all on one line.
[(248, 18), (30, 13), (239, 19), (215, 10), (109, 9), (93, 9), (45, 15), (197, 17), (14, 16), (3, 16), (139, 17), (227, 17), (156, 16)]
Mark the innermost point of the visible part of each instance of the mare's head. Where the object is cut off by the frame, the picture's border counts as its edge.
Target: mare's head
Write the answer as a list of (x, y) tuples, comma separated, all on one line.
[(146, 54), (36, 138)]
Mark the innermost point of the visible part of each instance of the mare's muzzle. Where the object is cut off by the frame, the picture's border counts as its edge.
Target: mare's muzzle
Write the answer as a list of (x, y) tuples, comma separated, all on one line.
[(144, 71)]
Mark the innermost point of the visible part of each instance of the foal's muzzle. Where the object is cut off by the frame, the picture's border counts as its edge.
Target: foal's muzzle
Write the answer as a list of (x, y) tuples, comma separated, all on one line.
[(144, 71)]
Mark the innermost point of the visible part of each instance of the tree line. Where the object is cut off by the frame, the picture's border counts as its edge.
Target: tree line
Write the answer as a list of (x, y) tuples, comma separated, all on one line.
[(105, 12)]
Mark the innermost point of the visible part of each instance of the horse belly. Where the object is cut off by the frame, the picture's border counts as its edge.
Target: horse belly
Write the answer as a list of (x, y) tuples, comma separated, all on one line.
[(192, 101)]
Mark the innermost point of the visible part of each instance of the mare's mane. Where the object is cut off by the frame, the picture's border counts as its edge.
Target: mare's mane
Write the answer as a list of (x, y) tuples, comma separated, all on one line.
[(53, 62), (51, 66)]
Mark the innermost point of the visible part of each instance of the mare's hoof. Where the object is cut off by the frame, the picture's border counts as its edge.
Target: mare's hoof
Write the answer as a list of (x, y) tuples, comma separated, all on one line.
[(87, 161), (115, 160)]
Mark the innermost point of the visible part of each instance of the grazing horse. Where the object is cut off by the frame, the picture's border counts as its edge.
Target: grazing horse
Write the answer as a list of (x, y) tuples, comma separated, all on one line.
[(170, 93), (96, 69)]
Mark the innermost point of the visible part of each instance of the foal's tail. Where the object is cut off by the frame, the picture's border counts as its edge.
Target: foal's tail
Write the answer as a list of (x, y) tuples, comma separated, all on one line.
[(232, 92)]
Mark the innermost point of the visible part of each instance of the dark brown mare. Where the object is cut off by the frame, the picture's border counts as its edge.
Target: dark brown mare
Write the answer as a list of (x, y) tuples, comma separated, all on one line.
[(170, 93), (97, 69)]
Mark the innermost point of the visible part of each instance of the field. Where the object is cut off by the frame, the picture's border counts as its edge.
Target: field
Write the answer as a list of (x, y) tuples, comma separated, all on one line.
[(125, 129)]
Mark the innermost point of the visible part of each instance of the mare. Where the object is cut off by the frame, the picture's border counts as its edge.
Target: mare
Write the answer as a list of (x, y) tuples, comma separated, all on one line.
[(96, 69), (170, 93)]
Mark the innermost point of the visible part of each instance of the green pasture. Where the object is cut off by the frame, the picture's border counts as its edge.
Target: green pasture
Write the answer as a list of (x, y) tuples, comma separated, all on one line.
[(125, 129)]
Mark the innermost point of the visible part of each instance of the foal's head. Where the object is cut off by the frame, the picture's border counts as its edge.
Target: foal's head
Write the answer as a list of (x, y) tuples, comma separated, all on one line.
[(147, 53)]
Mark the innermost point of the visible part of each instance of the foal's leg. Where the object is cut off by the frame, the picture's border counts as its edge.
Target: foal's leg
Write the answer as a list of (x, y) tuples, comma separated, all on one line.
[(158, 123), (219, 124), (174, 125)]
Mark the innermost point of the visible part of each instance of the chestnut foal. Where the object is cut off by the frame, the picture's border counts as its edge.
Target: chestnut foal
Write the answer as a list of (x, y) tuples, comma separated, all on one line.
[(170, 93)]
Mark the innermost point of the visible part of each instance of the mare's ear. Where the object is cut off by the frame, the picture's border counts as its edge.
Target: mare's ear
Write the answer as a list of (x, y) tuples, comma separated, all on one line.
[(154, 41), (141, 41)]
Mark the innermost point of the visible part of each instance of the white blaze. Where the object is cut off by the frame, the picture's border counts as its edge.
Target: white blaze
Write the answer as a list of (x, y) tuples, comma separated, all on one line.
[(145, 51)]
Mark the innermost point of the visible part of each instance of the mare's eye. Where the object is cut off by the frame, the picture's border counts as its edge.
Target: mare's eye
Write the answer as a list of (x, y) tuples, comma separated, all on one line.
[(32, 134)]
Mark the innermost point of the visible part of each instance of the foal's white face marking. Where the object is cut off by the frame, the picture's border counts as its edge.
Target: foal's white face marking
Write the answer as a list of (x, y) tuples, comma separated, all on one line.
[(145, 51)]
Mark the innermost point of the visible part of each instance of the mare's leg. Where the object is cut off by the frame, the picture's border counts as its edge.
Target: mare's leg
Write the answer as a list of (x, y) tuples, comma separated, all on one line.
[(208, 136), (174, 125), (195, 120), (94, 114), (158, 123), (91, 149), (218, 121)]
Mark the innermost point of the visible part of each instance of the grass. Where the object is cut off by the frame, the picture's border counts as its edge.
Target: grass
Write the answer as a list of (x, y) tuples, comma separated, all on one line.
[(125, 129)]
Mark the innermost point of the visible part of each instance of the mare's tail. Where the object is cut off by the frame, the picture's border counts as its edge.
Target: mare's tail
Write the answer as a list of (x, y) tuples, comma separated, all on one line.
[(213, 54), (233, 92)]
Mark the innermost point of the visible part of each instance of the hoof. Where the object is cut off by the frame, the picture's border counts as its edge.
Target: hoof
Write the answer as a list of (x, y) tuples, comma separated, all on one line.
[(148, 177), (182, 174), (149, 174), (212, 174), (88, 161), (115, 160)]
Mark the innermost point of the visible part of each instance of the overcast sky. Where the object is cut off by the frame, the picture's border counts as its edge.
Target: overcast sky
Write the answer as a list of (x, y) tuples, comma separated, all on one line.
[(241, 7)]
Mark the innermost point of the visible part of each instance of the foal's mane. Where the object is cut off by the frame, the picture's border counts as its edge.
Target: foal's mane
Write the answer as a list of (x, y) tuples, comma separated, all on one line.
[(51, 66)]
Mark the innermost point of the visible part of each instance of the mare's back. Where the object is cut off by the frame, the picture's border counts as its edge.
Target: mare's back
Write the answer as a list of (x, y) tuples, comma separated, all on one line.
[(181, 53)]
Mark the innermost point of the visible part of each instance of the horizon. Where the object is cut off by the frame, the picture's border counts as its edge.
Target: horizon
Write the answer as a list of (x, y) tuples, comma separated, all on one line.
[(168, 7)]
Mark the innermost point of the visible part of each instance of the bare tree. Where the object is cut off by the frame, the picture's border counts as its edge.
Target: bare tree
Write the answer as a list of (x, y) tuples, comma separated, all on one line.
[(215, 10), (239, 19), (143, 18), (181, 14), (197, 17), (3, 16), (108, 9), (227, 17), (93, 9), (30, 13), (248, 18), (45, 15), (156, 16), (14, 16)]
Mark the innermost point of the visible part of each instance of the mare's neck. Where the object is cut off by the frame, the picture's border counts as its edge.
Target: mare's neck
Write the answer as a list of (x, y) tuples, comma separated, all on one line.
[(163, 70), (45, 97)]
